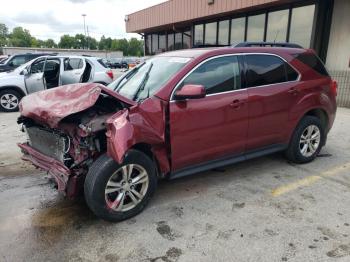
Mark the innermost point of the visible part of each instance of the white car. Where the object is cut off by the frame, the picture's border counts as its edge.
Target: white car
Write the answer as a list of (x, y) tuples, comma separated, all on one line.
[(48, 72)]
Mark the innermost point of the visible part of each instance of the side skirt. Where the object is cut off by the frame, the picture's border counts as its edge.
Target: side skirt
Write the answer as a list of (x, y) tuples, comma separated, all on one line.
[(229, 160)]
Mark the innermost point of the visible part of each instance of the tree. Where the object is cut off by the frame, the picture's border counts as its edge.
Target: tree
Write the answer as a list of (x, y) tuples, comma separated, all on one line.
[(67, 41), (20, 37), (49, 43), (124, 46), (3, 34), (135, 47)]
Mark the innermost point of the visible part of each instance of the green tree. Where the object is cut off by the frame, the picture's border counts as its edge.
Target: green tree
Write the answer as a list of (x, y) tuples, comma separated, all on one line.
[(124, 46), (92, 43), (135, 47), (20, 37), (49, 43), (3, 34), (67, 41)]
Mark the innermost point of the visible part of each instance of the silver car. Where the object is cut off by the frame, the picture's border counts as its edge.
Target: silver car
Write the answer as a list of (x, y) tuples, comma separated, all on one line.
[(48, 72)]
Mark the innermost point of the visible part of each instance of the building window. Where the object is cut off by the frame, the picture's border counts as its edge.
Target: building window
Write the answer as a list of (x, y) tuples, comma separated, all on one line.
[(277, 26), (224, 27), (237, 30), (256, 26), (198, 35), (187, 39), (154, 43), (301, 25), (162, 42), (178, 41), (148, 44), (171, 41), (210, 33)]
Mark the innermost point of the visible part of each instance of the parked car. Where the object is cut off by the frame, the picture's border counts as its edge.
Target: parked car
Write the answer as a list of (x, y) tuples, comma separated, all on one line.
[(3, 58), (177, 114), (117, 63), (48, 72), (15, 61)]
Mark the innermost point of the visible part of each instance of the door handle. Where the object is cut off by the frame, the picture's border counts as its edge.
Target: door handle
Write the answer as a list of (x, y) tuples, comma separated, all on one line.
[(236, 104), (293, 91)]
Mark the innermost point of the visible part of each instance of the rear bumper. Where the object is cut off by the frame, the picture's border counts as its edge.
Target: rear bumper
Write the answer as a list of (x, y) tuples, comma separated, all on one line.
[(55, 168)]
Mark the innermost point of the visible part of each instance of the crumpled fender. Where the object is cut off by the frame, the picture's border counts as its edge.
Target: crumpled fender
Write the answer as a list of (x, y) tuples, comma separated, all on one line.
[(144, 123)]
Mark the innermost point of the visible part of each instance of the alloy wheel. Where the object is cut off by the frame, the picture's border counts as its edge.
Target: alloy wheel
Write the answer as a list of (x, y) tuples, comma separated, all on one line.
[(310, 140), (126, 187), (9, 101)]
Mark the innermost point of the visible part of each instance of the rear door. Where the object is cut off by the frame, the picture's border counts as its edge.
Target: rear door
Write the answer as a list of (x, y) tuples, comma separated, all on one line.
[(34, 80), (212, 127), (73, 70), (272, 90)]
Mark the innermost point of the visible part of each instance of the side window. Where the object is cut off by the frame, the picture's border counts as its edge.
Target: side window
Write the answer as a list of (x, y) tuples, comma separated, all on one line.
[(72, 64), (218, 75), (18, 60), (37, 67), (265, 70), (312, 61)]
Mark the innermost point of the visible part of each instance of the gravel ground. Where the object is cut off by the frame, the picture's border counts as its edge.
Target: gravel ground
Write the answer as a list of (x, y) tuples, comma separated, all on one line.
[(261, 210)]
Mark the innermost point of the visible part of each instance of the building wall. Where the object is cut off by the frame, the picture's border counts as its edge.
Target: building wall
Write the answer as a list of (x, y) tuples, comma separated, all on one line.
[(97, 53), (338, 56), (176, 11)]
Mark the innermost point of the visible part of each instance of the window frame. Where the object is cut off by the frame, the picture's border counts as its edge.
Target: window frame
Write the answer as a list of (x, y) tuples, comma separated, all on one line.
[(275, 55), (172, 96)]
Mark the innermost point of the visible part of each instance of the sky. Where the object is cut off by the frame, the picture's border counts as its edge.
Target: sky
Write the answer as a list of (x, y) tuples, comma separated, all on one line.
[(53, 18)]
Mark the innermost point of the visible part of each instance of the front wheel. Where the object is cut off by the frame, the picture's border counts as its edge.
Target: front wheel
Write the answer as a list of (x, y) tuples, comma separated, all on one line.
[(9, 100), (115, 192), (307, 140)]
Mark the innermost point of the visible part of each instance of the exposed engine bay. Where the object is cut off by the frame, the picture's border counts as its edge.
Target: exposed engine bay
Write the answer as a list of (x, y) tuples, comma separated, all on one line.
[(76, 142)]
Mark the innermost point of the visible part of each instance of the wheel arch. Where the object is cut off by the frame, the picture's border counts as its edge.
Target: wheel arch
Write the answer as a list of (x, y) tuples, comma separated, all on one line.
[(153, 154), (15, 88)]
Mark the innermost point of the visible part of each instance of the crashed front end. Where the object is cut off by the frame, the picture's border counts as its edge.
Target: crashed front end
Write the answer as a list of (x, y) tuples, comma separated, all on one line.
[(66, 131)]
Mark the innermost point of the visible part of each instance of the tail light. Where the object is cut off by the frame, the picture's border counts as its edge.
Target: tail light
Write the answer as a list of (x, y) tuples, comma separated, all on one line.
[(110, 74), (334, 87)]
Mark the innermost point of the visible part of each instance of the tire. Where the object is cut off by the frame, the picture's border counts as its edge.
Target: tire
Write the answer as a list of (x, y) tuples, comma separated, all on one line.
[(296, 150), (9, 100), (105, 170)]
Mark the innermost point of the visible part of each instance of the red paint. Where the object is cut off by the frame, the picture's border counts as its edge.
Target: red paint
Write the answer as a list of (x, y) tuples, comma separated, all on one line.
[(199, 129)]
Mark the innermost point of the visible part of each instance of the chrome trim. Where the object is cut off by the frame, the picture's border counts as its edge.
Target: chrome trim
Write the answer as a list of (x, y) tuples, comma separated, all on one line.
[(236, 54)]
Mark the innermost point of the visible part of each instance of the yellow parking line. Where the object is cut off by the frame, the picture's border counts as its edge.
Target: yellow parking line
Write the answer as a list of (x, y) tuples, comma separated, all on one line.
[(309, 180)]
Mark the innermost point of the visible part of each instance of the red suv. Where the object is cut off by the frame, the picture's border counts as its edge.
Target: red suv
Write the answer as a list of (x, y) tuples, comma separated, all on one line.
[(176, 114)]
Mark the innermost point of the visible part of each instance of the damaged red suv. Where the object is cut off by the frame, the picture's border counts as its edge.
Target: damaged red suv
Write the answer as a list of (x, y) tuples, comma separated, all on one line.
[(177, 114)]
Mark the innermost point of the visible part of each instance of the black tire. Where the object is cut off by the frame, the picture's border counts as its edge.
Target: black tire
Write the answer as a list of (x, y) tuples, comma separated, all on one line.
[(100, 173), (293, 152), (12, 93)]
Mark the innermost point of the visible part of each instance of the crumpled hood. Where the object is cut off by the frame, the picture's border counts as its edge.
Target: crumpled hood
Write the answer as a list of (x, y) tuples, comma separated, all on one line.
[(51, 106)]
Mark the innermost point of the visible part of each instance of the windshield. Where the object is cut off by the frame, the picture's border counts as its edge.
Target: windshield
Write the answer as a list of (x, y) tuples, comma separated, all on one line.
[(146, 79)]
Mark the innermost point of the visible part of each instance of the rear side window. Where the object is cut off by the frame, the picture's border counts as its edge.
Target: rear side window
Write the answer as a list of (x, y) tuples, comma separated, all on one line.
[(73, 64), (217, 75), (312, 61), (267, 70), (102, 63)]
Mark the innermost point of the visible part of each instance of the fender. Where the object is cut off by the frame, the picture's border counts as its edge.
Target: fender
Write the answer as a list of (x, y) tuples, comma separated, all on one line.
[(311, 101), (143, 123), (15, 88)]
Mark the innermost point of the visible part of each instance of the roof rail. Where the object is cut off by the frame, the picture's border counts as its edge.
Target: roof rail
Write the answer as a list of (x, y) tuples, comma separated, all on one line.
[(267, 44)]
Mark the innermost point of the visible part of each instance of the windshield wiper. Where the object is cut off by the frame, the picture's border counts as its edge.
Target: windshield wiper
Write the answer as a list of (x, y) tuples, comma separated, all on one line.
[(143, 82)]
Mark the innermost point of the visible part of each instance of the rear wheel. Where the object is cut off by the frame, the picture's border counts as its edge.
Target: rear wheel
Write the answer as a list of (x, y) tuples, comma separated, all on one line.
[(9, 100), (307, 140), (115, 192)]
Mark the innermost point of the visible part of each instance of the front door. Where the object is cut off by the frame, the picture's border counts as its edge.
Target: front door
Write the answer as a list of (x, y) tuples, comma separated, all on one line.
[(34, 80), (212, 127), (73, 70)]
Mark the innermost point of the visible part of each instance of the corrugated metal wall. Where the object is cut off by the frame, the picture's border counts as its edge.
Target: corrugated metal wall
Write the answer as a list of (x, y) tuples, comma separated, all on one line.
[(343, 79), (175, 11)]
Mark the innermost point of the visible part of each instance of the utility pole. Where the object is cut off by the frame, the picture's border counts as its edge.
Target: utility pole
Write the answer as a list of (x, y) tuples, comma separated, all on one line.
[(84, 15)]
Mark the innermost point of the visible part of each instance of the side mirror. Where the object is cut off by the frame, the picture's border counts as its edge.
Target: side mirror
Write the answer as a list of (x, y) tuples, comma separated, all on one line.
[(190, 92)]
